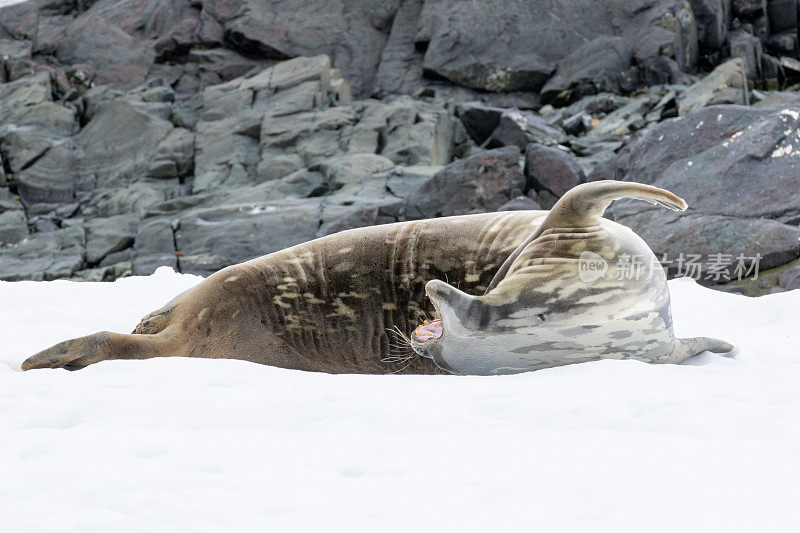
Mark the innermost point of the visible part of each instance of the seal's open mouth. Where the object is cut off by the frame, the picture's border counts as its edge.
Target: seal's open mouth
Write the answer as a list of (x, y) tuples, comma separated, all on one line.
[(428, 331)]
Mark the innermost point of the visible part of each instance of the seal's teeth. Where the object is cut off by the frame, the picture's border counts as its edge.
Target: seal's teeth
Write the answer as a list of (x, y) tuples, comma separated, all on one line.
[(429, 330)]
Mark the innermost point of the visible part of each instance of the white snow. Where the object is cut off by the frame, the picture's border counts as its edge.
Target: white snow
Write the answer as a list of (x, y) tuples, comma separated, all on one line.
[(178, 445), (4, 3)]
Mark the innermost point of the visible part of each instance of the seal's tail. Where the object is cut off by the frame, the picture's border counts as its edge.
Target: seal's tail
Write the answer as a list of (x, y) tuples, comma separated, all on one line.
[(583, 205), (84, 351)]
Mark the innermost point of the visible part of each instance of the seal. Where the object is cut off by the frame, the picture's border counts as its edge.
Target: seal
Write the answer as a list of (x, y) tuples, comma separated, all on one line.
[(346, 302)]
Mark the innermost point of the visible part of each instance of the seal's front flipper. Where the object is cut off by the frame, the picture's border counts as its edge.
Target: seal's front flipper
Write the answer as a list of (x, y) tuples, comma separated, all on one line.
[(686, 348), (78, 353)]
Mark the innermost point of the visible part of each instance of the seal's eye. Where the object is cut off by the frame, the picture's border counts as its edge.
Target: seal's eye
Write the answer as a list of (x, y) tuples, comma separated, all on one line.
[(428, 331)]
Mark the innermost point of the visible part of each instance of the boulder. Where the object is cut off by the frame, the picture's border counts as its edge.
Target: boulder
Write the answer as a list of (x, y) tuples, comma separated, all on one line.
[(595, 106), (400, 68), (736, 167), (154, 246), (782, 15), (30, 122), (116, 56), (520, 128), (31, 130), (18, 30), (280, 29), (713, 19), (479, 120), (776, 99), (312, 136), (223, 156), (790, 277), (552, 169), (426, 141), (477, 184), (747, 47), (595, 67), (108, 235), (502, 45)]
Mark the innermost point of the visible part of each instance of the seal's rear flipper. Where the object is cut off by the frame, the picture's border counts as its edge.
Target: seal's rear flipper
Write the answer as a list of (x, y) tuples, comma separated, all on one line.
[(686, 348), (84, 351), (582, 206)]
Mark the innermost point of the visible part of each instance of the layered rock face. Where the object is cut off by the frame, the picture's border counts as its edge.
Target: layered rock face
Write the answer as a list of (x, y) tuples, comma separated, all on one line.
[(136, 134)]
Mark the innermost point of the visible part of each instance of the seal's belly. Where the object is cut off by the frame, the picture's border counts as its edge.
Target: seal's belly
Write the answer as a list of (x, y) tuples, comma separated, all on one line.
[(345, 301)]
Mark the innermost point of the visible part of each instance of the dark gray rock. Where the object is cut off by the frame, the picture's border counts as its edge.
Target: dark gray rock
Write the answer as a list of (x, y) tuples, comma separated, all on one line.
[(477, 184), (749, 8), (174, 155), (115, 148), (108, 235), (594, 67), (782, 43), (233, 225), (736, 167), (520, 128), (13, 226), (426, 141), (481, 45), (212, 238), (776, 99), (713, 18), (551, 169), (280, 29), (116, 56), (223, 157), (44, 256), (479, 120), (18, 31), (400, 69), (32, 130), (625, 120), (30, 122), (508, 45), (782, 15), (790, 278), (747, 47), (154, 246)]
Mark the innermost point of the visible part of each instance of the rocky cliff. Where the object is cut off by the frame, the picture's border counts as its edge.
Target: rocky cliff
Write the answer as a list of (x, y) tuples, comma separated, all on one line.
[(197, 134)]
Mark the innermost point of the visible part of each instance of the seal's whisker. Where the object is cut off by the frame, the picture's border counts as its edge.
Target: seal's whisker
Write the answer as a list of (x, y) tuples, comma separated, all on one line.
[(402, 336), (401, 369)]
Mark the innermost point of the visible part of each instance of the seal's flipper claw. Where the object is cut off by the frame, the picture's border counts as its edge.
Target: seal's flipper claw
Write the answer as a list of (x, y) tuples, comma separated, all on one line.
[(78, 353)]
